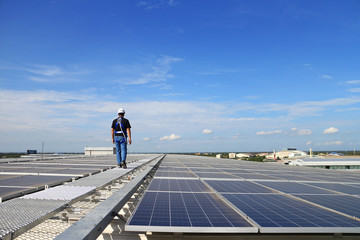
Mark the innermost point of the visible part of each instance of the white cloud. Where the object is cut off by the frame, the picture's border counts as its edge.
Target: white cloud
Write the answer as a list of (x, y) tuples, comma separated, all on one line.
[(49, 73), (152, 5), (146, 139), (330, 130), (207, 131), (304, 132), (243, 119), (308, 143), (333, 143), (295, 131), (307, 108), (269, 132), (353, 82), (171, 137), (55, 114), (46, 70), (236, 136), (159, 73), (327, 76), (355, 90)]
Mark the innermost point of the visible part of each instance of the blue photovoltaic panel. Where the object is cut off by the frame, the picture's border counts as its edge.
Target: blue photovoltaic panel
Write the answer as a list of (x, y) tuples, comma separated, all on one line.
[(6, 192), (173, 169), (338, 187), (34, 180), (216, 175), (342, 203), (294, 187), (178, 185), (237, 187), (255, 176), (233, 170), (174, 174), (284, 214), (170, 205), (163, 210), (293, 177), (207, 170)]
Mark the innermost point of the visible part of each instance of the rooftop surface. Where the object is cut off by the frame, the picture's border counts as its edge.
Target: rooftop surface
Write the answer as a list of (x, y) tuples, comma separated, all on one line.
[(196, 196)]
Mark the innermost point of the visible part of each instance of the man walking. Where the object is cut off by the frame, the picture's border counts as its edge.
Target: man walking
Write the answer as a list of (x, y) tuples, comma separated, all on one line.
[(121, 134)]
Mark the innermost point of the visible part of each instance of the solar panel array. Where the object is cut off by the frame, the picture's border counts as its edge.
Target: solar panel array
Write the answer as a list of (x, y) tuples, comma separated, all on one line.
[(202, 194), (23, 176), (18, 213)]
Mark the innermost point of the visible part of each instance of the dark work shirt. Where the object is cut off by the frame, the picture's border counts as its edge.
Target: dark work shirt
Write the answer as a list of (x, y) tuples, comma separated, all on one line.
[(125, 125)]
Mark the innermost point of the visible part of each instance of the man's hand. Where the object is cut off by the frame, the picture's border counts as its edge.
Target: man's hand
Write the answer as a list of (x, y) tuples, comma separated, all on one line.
[(130, 141), (113, 141)]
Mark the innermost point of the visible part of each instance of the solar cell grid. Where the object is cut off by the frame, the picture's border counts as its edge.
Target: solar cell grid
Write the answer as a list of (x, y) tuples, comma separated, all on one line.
[(289, 177), (180, 206), (338, 187), (3, 177), (34, 180), (10, 191), (178, 185), (216, 175), (237, 187), (326, 178), (342, 203), (196, 170), (174, 174), (255, 176), (200, 210), (287, 215), (294, 187), (234, 170), (181, 169), (80, 172)]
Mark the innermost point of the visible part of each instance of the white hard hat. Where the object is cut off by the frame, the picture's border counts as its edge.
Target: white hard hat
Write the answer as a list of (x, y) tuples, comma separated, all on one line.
[(121, 110)]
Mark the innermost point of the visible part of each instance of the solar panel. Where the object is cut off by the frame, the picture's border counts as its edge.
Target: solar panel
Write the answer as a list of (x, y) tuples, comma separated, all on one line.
[(237, 187), (294, 187), (216, 175), (174, 174), (349, 189), (182, 185), (255, 176), (199, 170), (281, 200), (343, 203), (289, 177), (34, 180), (6, 192), (188, 212), (282, 214)]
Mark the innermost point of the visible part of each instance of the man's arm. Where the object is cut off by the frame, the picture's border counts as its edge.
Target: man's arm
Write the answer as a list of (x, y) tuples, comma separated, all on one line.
[(112, 134), (129, 135)]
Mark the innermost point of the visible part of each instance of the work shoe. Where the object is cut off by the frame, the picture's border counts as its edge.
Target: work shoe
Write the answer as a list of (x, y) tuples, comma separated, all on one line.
[(120, 165), (124, 166)]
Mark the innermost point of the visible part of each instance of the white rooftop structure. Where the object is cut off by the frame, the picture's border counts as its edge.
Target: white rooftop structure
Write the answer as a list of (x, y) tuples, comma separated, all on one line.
[(330, 163), (99, 151)]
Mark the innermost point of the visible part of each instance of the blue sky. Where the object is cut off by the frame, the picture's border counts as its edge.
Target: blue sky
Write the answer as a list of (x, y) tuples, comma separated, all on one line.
[(192, 75)]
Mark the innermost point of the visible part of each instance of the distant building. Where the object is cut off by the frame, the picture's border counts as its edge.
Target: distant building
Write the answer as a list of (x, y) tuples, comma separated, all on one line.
[(218, 155), (232, 155), (328, 163), (242, 155), (31, 151), (98, 151), (286, 154)]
